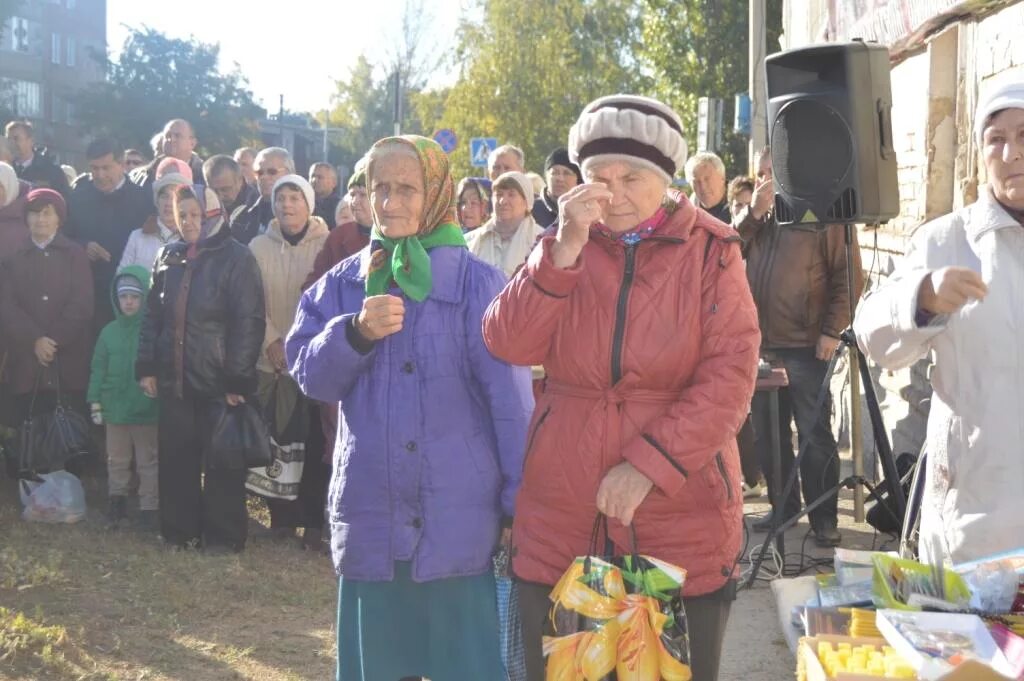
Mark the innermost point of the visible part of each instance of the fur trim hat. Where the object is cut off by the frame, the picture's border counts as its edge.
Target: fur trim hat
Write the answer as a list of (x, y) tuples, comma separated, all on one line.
[(631, 128)]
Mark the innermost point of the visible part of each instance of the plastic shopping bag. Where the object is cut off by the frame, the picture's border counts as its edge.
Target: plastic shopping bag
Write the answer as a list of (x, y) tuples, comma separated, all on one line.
[(55, 497), (618, 618)]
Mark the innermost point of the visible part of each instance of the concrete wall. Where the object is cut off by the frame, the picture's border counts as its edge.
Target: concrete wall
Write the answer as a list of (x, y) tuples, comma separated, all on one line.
[(934, 96)]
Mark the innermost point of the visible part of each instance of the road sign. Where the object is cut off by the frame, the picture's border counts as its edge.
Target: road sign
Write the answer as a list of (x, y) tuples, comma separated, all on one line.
[(446, 138), (480, 148)]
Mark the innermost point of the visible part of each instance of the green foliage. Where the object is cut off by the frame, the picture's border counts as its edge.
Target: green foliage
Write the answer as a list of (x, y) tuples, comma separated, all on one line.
[(528, 67), (158, 78), (699, 48)]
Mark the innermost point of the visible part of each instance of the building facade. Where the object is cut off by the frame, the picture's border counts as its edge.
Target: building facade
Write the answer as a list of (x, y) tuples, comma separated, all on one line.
[(942, 52), (49, 50)]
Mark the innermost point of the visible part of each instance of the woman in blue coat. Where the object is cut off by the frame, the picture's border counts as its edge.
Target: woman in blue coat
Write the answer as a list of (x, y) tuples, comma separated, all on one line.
[(432, 431)]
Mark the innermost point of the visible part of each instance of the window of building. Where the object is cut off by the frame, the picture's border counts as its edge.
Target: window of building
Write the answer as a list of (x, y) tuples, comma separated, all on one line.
[(72, 58), (55, 46), (23, 97), (21, 35)]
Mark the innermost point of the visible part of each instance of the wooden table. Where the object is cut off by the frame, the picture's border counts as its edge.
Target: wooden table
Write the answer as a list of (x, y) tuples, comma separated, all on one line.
[(771, 384)]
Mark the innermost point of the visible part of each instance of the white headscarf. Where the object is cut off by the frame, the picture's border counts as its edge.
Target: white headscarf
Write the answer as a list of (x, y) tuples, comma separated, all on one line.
[(1004, 93), (9, 181)]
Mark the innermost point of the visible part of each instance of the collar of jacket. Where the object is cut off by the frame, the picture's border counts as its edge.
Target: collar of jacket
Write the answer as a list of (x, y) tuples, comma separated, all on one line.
[(986, 215), (317, 228), (59, 243), (176, 251), (448, 265), (550, 202)]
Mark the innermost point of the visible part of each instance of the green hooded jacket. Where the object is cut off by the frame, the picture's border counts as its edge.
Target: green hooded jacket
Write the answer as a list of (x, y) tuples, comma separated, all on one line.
[(112, 381)]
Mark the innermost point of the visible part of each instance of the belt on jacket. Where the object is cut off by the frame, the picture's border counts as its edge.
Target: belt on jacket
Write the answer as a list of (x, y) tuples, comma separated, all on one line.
[(610, 399)]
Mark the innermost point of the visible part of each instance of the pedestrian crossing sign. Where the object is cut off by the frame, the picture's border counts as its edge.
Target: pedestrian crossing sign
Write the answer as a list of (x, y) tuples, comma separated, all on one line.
[(480, 148)]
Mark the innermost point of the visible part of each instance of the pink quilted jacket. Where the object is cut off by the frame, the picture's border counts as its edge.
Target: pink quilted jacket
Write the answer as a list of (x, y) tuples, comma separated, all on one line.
[(651, 357)]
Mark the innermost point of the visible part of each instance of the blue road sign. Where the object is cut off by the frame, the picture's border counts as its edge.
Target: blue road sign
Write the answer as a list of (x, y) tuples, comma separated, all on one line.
[(480, 148), (446, 138)]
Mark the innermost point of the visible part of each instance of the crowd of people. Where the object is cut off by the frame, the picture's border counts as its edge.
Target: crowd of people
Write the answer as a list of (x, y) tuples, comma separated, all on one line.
[(386, 330)]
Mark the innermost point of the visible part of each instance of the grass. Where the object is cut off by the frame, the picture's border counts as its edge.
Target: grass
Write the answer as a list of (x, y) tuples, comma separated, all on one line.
[(81, 603)]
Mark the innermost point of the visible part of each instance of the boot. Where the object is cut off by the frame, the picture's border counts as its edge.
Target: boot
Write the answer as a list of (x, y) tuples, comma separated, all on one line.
[(117, 511)]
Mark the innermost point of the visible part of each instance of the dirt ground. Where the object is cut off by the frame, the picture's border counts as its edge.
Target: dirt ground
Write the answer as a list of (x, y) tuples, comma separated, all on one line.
[(78, 602)]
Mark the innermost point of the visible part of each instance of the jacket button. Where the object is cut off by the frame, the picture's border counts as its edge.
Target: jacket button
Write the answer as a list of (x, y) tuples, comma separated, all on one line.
[(411, 446), (417, 523), (45, 298), (409, 367)]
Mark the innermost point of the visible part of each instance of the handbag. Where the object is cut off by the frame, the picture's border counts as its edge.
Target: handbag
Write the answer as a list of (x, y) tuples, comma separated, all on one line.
[(238, 438), (47, 442), (618, 617), (287, 420), (510, 625)]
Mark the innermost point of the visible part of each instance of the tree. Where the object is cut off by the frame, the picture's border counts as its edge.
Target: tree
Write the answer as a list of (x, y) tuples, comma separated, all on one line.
[(698, 48), (158, 78), (527, 68)]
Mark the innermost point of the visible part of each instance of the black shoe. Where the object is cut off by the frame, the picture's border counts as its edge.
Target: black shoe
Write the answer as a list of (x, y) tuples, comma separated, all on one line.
[(149, 521), (827, 537), (117, 511)]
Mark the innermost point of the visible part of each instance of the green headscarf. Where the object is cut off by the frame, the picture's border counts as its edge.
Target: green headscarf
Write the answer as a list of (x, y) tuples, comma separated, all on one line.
[(405, 261)]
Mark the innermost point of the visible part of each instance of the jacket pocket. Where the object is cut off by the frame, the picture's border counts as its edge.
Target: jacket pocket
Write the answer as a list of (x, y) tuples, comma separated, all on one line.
[(533, 433), (720, 464)]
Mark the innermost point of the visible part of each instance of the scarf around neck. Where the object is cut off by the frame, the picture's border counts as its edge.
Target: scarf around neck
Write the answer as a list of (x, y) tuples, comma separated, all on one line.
[(405, 261)]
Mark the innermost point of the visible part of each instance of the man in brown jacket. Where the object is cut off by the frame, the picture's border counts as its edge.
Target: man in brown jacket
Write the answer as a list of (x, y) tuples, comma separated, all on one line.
[(798, 278)]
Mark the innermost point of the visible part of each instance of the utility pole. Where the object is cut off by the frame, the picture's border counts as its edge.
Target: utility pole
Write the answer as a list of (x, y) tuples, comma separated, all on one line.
[(326, 121), (280, 117), (757, 39), (398, 102)]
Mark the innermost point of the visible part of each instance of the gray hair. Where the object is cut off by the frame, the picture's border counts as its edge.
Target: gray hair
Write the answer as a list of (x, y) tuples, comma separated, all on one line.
[(704, 157), (242, 151), (323, 164), (389, 148), (215, 165), (281, 154), (506, 149)]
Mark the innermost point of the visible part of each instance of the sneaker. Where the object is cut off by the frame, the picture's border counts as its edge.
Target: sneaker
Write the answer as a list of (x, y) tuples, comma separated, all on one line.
[(117, 511), (753, 492)]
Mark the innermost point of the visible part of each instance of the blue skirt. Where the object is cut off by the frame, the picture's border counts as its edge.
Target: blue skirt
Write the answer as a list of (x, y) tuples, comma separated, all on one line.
[(444, 630)]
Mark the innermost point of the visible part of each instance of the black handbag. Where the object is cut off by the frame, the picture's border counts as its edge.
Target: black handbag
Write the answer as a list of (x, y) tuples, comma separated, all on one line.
[(238, 437), (47, 442)]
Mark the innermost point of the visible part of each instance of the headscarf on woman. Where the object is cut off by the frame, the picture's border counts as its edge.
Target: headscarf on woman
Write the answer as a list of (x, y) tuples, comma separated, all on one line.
[(409, 265)]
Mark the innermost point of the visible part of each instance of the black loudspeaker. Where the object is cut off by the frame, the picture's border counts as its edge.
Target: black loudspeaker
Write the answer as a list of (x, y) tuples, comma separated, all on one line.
[(830, 130)]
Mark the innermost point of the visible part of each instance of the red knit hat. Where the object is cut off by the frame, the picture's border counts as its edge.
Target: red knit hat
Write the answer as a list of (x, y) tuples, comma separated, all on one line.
[(38, 199)]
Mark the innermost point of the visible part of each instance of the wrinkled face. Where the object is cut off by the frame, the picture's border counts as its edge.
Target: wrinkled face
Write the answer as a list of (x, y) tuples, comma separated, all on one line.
[(132, 161), (324, 180), (268, 169), (190, 220), (291, 209), (22, 143), (637, 193), (509, 205), (560, 180), (1003, 147), (471, 209), (708, 185), (179, 141), (165, 207), (245, 161), (129, 303), (343, 213), (227, 186), (740, 201), (397, 195), (359, 199), (106, 173), (504, 163), (43, 224)]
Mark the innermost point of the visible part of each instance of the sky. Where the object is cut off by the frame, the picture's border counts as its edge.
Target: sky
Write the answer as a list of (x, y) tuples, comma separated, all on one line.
[(298, 50)]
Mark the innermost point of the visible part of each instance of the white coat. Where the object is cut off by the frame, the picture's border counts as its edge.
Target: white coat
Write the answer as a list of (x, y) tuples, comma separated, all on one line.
[(975, 437)]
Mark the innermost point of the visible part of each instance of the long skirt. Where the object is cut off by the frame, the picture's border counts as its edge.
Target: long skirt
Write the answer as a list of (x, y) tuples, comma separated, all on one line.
[(443, 630)]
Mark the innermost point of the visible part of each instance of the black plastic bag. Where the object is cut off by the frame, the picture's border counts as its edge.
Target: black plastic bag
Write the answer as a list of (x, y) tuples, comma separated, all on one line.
[(47, 442), (238, 437)]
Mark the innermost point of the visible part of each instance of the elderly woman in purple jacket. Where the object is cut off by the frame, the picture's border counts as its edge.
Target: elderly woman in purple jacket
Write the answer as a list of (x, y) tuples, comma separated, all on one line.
[(432, 430)]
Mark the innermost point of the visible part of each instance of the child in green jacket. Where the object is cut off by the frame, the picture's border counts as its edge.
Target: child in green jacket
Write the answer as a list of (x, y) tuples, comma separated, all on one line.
[(117, 401)]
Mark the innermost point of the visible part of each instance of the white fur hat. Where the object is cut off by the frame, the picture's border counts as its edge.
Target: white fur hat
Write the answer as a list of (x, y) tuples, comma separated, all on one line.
[(524, 183), (632, 128), (302, 183), (1005, 93)]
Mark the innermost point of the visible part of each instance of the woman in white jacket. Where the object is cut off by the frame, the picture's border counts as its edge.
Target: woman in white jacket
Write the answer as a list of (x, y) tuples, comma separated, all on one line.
[(959, 294), (145, 242)]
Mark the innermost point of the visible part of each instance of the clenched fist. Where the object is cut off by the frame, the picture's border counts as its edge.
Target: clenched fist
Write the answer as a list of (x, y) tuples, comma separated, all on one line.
[(380, 317), (947, 290)]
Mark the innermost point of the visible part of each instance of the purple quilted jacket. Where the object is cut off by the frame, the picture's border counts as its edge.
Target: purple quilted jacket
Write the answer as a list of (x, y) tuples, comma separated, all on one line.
[(432, 429)]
